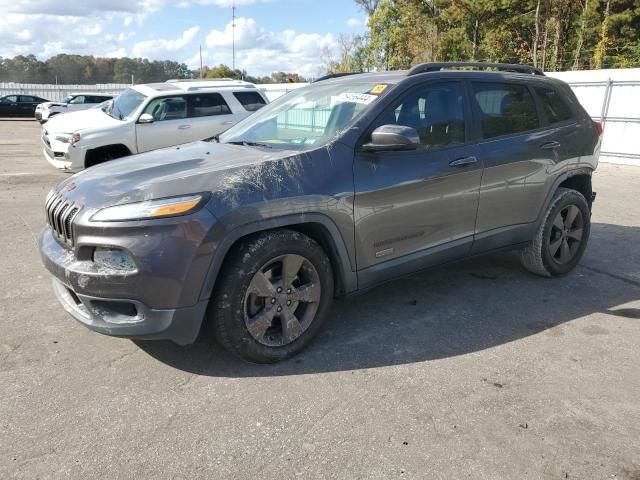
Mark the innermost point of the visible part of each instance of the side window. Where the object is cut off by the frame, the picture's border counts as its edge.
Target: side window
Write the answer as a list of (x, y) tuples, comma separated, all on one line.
[(554, 107), (208, 105), (12, 98), (78, 99), (167, 108), (251, 101), (505, 108), (26, 99), (436, 111)]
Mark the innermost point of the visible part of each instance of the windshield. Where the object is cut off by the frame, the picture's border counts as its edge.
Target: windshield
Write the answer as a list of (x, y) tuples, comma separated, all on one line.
[(306, 118), (67, 99), (124, 104)]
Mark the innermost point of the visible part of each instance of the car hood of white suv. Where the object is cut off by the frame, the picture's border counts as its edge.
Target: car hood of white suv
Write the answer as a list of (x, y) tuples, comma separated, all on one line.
[(52, 104), (77, 121)]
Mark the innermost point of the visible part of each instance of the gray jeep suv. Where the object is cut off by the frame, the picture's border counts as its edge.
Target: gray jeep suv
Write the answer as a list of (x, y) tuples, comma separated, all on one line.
[(334, 188)]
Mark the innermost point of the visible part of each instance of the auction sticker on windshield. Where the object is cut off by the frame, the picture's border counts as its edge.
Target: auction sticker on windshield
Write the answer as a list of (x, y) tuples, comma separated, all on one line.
[(363, 98)]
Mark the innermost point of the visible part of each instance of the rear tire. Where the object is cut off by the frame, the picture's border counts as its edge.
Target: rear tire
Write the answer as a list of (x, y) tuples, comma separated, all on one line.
[(272, 297), (562, 237)]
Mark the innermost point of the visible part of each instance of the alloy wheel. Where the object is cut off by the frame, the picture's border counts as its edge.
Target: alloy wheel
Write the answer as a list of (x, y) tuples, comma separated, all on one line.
[(565, 236), (282, 300)]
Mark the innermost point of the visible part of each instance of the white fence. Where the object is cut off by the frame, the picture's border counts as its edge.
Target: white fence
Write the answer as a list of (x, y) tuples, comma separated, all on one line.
[(58, 92), (613, 98)]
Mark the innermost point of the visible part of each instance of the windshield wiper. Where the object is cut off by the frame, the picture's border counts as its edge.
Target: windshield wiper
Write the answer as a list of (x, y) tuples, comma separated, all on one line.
[(251, 144)]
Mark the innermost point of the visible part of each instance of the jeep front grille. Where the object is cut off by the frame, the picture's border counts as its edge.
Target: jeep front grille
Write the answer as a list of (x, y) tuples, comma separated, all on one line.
[(60, 215)]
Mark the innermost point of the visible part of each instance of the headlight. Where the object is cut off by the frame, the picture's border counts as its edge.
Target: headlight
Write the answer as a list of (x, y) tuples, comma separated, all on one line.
[(63, 138), (164, 207)]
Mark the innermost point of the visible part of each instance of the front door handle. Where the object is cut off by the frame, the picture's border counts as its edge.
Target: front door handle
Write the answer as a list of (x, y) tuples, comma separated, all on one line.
[(550, 145), (463, 162), (230, 122), (184, 127)]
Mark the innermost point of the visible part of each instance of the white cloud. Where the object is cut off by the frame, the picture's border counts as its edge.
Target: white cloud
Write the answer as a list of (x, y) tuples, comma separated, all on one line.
[(159, 48), (79, 8), (354, 23), (260, 51), (46, 35)]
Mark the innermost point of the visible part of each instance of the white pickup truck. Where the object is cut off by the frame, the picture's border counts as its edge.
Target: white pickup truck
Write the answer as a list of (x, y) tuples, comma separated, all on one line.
[(71, 103), (148, 117)]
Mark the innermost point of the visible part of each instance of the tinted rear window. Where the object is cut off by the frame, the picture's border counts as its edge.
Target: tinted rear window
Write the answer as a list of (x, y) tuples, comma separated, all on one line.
[(251, 101), (555, 108), (506, 109), (208, 105)]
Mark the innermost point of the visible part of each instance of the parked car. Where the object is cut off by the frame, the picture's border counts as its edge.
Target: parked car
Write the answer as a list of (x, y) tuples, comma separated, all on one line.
[(19, 105), (71, 103), (334, 188), (148, 117)]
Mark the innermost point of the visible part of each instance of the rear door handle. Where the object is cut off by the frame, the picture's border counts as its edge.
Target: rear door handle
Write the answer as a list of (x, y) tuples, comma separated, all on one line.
[(230, 122), (184, 127), (550, 145), (463, 162)]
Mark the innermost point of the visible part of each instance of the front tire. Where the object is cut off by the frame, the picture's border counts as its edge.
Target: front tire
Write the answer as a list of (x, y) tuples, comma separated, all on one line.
[(272, 297), (562, 237)]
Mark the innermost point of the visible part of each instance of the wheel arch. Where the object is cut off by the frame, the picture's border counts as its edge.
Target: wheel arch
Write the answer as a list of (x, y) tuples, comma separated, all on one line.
[(117, 150), (581, 182), (316, 226), (578, 179)]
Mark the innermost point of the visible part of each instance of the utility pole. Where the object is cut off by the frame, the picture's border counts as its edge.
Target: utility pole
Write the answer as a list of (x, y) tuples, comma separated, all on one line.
[(233, 29), (200, 61)]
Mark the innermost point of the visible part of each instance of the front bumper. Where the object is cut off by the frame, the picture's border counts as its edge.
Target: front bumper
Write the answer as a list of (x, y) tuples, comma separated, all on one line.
[(61, 155), (161, 298), (131, 319)]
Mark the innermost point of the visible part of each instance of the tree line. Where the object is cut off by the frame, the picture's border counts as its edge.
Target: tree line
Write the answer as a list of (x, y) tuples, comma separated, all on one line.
[(83, 69), (549, 34)]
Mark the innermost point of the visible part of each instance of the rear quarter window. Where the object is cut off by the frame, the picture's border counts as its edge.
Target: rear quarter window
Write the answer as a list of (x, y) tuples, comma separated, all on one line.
[(208, 105), (505, 108), (554, 107), (251, 101)]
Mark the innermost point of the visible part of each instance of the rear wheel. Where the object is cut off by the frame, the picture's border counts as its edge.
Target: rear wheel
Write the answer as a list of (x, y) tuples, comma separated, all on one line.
[(562, 238), (273, 296)]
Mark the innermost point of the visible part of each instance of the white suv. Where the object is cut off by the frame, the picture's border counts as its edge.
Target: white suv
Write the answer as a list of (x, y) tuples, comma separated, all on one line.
[(70, 103), (148, 117)]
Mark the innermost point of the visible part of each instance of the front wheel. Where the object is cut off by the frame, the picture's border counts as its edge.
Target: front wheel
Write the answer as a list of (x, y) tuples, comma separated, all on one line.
[(273, 296), (562, 237)]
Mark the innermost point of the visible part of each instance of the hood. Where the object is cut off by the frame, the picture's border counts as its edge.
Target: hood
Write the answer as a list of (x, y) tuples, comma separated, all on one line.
[(186, 169), (72, 122), (52, 104)]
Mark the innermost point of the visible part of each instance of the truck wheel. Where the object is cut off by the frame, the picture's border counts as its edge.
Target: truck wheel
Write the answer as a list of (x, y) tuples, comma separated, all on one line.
[(562, 237), (272, 296)]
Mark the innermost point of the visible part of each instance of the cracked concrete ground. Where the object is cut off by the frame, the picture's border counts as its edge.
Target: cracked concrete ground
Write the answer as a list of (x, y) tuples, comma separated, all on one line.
[(477, 370)]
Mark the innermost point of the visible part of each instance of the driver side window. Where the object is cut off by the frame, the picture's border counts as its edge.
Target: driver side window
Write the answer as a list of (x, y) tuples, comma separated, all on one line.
[(167, 108), (435, 111)]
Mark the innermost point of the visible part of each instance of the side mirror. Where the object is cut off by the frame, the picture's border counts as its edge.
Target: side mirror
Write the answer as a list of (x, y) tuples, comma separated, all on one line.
[(388, 138), (146, 118)]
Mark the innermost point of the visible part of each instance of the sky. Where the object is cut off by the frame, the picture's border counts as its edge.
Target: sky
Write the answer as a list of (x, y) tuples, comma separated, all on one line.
[(271, 35)]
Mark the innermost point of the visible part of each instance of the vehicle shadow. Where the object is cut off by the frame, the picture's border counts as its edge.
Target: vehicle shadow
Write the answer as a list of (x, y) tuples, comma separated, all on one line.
[(454, 310)]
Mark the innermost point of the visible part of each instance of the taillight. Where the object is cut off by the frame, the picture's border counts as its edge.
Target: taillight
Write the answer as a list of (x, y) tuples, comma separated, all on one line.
[(599, 128)]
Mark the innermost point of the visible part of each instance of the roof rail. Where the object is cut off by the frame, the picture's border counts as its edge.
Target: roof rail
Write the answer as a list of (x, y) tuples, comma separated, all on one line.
[(180, 80), (335, 75), (507, 67)]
